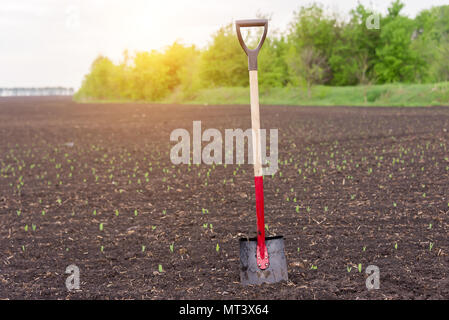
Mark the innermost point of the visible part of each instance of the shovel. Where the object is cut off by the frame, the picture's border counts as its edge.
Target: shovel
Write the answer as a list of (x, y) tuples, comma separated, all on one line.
[(261, 259)]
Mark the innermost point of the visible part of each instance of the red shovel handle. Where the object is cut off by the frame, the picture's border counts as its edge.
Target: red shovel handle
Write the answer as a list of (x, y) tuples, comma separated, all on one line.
[(262, 253)]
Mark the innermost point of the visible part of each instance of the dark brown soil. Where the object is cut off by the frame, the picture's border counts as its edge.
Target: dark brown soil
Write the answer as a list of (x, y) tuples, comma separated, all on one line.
[(365, 186)]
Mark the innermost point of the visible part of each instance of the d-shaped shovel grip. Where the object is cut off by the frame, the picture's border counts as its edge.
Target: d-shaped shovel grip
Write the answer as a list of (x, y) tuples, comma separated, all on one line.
[(252, 53)]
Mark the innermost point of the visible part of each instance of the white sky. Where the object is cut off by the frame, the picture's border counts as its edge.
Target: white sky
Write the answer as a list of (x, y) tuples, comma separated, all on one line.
[(53, 42)]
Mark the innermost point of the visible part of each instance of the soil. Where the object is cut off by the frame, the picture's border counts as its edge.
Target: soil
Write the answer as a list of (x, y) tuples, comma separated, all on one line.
[(93, 185)]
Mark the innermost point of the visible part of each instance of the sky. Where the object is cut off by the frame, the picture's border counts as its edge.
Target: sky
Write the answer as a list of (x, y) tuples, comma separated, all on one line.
[(53, 42)]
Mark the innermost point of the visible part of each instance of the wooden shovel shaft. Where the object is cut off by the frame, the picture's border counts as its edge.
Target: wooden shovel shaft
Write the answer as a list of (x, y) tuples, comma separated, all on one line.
[(255, 123), (258, 173)]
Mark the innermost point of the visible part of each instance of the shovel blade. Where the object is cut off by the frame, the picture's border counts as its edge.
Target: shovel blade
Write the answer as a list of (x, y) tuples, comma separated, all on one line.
[(250, 273)]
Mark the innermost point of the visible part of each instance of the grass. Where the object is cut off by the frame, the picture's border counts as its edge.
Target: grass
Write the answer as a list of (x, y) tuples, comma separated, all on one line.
[(376, 95), (401, 95)]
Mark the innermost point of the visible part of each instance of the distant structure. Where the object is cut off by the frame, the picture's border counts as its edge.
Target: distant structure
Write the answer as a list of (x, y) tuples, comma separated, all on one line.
[(24, 92)]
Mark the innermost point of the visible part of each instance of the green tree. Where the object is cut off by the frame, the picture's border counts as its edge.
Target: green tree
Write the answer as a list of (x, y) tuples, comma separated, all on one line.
[(150, 76), (432, 42), (224, 63), (103, 81), (272, 63), (311, 40), (354, 54), (397, 61)]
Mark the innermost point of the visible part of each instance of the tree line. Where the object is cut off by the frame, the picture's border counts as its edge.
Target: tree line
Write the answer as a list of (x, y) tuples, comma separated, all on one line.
[(319, 47)]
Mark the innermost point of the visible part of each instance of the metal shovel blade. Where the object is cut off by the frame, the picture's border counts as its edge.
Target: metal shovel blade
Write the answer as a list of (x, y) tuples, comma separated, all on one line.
[(250, 273)]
